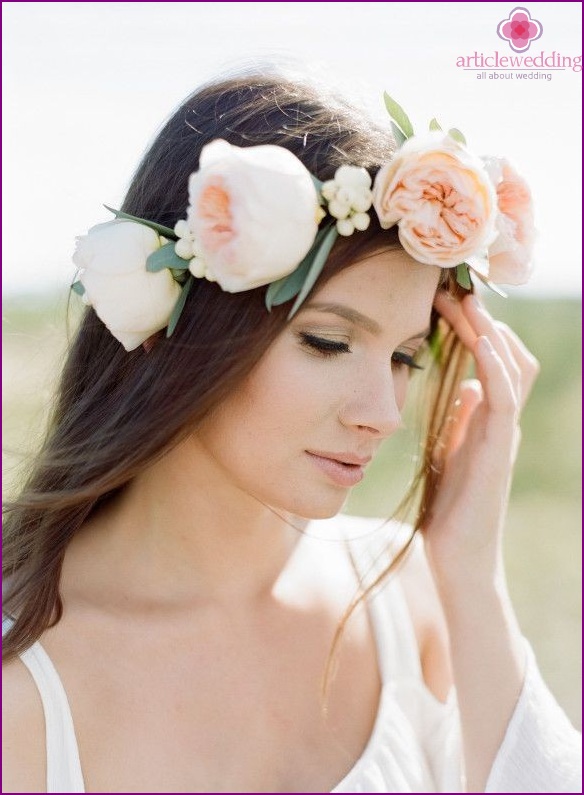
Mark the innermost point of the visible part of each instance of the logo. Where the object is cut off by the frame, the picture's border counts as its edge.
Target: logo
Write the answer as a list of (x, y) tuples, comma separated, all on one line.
[(519, 29)]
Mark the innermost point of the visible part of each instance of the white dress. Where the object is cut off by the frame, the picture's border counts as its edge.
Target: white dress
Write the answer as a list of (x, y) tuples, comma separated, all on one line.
[(415, 745)]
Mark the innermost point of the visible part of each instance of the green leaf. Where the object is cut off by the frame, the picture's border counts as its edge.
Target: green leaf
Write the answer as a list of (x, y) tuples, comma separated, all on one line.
[(166, 257), (457, 135), (463, 276), (78, 288), (479, 264), (434, 125), (316, 268), (318, 187), (288, 286), (178, 307), (398, 134), (165, 231), (491, 286), (180, 275), (399, 115)]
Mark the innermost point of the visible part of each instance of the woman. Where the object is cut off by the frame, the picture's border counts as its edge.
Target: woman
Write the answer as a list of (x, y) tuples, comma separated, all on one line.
[(161, 558)]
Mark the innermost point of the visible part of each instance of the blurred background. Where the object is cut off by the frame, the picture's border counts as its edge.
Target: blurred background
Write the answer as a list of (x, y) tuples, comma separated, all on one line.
[(87, 85)]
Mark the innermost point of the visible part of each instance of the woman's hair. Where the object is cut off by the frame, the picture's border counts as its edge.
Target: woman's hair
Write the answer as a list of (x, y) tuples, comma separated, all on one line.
[(116, 412)]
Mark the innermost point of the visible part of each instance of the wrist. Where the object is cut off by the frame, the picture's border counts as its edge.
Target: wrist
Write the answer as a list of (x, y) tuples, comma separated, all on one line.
[(473, 595)]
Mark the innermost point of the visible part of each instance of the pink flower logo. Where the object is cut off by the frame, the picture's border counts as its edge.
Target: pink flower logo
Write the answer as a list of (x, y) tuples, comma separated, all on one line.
[(519, 29)]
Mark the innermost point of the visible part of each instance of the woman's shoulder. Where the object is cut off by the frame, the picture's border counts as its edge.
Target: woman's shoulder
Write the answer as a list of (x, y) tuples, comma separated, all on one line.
[(23, 731)]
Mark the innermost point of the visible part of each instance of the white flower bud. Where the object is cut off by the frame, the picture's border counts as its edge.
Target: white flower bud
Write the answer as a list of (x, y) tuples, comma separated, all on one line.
[(353, 177), (181, 229), (339, 209), (361, 221), (197, 249), (345, 227), (183, 248), (329, 189), (209, 276), (344, 195), (362, 201), (197, 267)]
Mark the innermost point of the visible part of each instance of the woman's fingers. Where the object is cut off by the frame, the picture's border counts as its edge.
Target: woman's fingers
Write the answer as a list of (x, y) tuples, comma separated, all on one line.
[(470, 320), (484, 325), (451, 310), (528, 364), (470, 397), (499, 389)]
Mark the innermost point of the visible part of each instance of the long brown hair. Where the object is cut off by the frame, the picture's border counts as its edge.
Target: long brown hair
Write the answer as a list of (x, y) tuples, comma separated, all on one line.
[(116, 412)]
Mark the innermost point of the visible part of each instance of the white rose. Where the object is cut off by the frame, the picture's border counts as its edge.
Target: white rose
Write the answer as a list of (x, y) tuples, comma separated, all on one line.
[(252, 211), (132, 302)]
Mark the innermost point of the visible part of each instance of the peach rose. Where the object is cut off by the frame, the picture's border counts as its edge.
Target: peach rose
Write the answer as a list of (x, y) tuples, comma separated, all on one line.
[(510, 255), (441, 198), (252, 212)]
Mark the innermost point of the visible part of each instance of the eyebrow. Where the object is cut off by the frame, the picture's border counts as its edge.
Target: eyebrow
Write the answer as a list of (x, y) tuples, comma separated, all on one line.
[(353, 316)]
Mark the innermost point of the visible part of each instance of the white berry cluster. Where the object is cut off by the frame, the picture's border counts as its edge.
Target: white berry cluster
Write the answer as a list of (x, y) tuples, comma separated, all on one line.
[(186, 247), (348, 198)]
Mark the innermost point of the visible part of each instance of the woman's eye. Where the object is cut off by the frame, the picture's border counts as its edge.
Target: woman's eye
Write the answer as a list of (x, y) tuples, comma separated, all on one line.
[(324, 346), (405, 360)]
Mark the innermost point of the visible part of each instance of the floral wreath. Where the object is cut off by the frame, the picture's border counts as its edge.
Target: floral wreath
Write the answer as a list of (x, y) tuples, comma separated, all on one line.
[(452, 209)]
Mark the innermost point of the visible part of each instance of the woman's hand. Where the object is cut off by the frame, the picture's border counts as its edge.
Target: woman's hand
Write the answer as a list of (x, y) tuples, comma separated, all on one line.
[(464, 529)]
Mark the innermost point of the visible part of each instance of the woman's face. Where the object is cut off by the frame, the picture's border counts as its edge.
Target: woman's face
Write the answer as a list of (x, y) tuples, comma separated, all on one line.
[(300, 430)]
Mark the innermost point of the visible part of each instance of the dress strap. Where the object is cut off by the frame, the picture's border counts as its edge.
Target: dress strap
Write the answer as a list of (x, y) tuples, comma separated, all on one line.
[(63, 763)]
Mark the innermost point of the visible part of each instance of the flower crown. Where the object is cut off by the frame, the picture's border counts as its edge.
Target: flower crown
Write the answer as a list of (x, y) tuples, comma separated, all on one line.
[(256, 216)]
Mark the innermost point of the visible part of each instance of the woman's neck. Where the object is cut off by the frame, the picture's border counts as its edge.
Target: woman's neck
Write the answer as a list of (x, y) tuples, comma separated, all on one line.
[(182, 532)]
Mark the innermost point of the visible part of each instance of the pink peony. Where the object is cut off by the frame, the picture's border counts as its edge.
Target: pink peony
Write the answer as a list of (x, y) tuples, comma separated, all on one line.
[(510, 255), (252, 212)]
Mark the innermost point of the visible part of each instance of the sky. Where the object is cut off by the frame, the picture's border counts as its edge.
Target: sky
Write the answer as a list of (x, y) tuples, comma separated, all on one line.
[(87, 85)]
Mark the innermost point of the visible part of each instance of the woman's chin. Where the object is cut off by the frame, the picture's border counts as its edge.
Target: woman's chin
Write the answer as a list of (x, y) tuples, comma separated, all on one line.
[(319, 509)]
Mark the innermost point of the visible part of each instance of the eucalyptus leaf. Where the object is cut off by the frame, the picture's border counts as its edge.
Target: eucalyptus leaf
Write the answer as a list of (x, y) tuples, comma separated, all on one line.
[(179, 275), (398, 134), (318, 187), (434, 125), (399, 115), (166, 257), (78, 288), (179, 306), (463, 276), (457, 135), (166, 231), (491, 286), (479, 264), (288, 286), (315, 268)]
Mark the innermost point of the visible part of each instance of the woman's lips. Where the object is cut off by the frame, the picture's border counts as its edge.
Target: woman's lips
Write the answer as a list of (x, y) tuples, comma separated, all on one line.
[(341, 473)]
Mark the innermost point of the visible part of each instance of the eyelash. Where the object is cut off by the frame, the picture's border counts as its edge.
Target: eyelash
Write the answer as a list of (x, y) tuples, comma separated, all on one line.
[(331, 348)]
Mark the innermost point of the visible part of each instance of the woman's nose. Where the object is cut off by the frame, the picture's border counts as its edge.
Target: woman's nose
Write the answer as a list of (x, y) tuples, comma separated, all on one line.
[(374, 402)]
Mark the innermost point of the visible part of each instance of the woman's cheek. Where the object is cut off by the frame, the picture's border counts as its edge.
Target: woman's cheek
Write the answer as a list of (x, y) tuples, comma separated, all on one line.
[(401, 382)]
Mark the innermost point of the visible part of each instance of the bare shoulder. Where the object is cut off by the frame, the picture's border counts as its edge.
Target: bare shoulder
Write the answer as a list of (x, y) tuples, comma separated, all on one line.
[(23, 731), (429, 622)]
